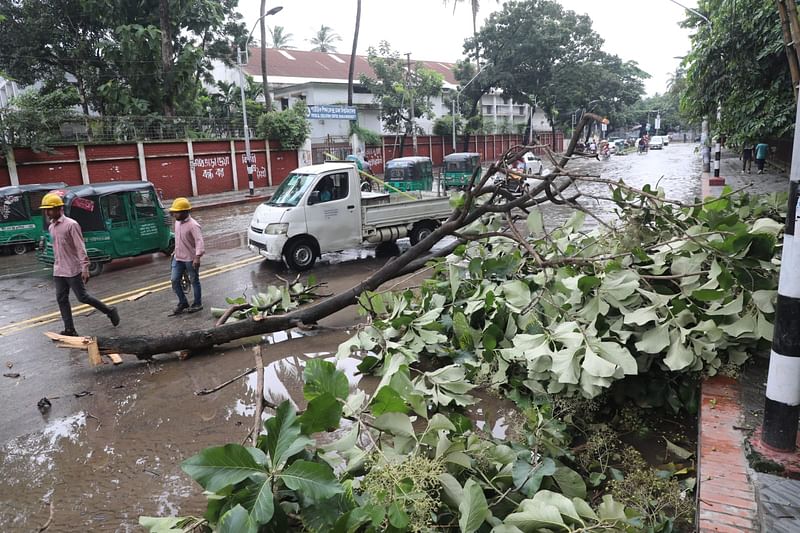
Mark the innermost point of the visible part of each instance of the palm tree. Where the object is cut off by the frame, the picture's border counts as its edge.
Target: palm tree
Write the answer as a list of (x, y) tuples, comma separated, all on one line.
[(351, 71), (324, 39), (476, 4), (280, 38)]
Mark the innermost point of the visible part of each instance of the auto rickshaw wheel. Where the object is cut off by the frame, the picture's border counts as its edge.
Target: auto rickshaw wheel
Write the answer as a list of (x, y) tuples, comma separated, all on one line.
[(19, 249), (169, 249), (95, 268)]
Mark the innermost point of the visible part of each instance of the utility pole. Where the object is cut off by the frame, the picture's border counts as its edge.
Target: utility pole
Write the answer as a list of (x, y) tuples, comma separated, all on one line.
[(411, 97)]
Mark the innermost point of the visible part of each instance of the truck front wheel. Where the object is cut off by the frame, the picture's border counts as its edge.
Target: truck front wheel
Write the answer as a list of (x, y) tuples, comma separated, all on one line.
[(300, 255), (420, 232)]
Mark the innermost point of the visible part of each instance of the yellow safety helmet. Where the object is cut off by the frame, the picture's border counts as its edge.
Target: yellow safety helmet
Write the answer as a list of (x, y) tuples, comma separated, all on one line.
[(180, 204), (51, 200)]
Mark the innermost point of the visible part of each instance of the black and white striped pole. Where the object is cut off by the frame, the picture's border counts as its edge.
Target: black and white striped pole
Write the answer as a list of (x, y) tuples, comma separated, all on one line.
[(717, 156), (782, 405)]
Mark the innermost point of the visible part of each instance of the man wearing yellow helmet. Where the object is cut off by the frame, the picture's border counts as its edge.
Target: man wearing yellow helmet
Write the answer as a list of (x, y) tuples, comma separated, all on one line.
[(189, 248), (71, 263)]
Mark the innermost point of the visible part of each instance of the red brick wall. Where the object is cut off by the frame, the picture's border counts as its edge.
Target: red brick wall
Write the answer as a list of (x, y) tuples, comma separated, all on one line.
[(113, 162), (42, 167), (212, 166), (168, 168)]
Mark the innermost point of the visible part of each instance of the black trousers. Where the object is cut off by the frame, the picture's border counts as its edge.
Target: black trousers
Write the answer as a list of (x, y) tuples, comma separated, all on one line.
[(63, 286)]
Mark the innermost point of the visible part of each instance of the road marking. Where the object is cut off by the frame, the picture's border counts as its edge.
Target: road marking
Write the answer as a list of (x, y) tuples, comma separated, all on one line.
[(117, 298)]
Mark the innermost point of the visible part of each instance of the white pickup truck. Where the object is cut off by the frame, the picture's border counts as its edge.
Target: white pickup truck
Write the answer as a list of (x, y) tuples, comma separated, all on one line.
[(320, 208)]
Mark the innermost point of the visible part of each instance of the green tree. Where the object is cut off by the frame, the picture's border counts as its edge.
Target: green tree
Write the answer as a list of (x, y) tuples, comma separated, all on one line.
[(475, 5), (122, 57), (738, 65), (324, 39), (281, 39), (394, 88)]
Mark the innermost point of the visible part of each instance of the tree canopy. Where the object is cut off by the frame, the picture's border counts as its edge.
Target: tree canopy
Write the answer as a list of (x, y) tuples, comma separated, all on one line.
[(324, 40), (737, 63), (123, 57)]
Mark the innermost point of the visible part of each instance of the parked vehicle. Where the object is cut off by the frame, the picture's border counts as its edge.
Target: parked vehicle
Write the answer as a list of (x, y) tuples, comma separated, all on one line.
[(118, 219), (532, 164), (665, 139), (21, 222), (459, 167), (656, 143), (319, 209), (409, 174)]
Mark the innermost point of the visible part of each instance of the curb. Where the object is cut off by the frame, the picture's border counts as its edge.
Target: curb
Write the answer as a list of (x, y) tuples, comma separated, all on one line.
[(258, 198), (726, 498)]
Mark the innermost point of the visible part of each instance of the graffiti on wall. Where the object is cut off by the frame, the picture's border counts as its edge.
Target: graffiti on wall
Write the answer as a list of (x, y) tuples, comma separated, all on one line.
[(212, 167)]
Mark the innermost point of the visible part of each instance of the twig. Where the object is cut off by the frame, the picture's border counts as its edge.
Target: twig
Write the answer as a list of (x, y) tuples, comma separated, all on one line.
[(203, 392), (49, 519), (258, 353), (229, 311), (90, 415)]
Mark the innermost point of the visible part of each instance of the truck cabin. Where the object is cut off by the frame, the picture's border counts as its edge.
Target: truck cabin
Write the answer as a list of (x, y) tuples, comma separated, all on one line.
[(409, 174)]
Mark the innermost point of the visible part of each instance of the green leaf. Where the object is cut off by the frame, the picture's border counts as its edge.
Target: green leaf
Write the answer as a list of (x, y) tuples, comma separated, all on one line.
[(611, 510), (473, 509), (397, 515), (536, 222), (284, 438), (217, 467), (323, 413), (528, 478), (517, 294), (587, 283), (313, 480), (439, 421), (654, 340), (398, 424), (677, 451), (388, 401), (708, 295), (237, 520), (322, 376), (169, 524), (264, 505), (570, 482)]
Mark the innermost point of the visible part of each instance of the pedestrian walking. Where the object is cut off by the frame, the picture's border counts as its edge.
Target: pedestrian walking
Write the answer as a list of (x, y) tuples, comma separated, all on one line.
[(71, 264), (761, 156), (747, 156), (189, 248)]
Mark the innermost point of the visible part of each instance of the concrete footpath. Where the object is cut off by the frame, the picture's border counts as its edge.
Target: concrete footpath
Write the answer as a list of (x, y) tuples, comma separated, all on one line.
[(226, 198), (732, 495)]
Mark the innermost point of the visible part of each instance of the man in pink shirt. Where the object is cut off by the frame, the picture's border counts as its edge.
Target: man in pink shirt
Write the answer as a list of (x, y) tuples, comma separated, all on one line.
[(189, 248), (71, 265)]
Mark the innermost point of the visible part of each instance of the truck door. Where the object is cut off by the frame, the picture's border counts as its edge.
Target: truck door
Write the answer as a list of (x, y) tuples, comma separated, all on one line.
[(146, 221), (333, 213)]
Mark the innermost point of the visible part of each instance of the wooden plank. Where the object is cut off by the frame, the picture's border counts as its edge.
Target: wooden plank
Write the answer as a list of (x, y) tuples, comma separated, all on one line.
[(94, 353), (65, 340), (115, 358)]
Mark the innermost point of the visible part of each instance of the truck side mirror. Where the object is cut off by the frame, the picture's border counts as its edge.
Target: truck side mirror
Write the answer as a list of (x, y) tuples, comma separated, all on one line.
[(313, 198)]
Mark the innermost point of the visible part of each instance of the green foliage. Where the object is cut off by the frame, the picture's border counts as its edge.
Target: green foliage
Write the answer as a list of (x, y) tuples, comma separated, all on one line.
[(393, 89), (274, 300), (739, 65), (444, 126), (369, 137), (289, 126), (35, 118)]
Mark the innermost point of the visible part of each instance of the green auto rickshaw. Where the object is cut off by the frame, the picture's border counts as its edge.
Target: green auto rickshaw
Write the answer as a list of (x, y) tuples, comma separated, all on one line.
[(458, 168), (21, 222), (118, 219), (409, 174)]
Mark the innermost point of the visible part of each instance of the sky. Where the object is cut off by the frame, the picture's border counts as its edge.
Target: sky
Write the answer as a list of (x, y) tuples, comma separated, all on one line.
[(645, 31)]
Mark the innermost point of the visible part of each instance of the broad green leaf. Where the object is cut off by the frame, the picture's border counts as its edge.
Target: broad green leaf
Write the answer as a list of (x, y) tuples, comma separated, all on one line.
[(744, 327), (767, 225), (536, 222), (284, 438), (596, 365), (217, 467), (533, 516), (237, 520), (528, 478), (611, 510), (473, 509), (765, 300), (677, 451), (709, 295), (640, 316), (570, 482), (679, 356), (323, 413), (397, 516), (264, 505), (733, 307), (560, 502), (654, 340), (388, 401), (439, 421), (453, 494), (314, 480), (321, 376), (395, 423)]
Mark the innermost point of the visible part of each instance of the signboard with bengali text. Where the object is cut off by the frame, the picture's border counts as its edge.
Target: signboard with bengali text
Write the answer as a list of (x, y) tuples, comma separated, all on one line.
[(335, 112)]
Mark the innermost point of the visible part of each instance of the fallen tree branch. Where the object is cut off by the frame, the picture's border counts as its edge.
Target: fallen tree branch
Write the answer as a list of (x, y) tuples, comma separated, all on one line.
[(203, 392), (258, 353)]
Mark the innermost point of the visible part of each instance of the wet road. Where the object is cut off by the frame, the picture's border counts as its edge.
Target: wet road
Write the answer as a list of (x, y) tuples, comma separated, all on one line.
[(99, 460)]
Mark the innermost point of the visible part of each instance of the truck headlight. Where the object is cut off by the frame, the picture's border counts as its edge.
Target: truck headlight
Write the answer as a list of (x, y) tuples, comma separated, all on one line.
[(276, 229)]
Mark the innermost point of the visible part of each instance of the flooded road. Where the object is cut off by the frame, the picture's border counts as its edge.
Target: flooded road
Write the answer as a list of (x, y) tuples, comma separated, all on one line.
[(109, 448)]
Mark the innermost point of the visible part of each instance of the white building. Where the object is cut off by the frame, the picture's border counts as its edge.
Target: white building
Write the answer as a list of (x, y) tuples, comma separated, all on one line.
[(320, 78)]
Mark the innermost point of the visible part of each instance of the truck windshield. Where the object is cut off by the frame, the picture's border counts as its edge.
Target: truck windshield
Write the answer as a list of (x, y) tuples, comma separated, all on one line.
[(291, 190)]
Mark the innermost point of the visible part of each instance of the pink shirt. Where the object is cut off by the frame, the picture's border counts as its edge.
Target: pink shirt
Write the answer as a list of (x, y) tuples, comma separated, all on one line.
[(69, 250), (188, 240)]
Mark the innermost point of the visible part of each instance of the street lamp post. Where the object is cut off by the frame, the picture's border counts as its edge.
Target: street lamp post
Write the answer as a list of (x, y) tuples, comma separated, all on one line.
[(455, 101), (249, 159)]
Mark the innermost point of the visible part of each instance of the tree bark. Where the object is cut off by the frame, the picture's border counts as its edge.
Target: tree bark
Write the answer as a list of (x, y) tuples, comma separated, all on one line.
[(790, 46), (263, 24), (166, 58)]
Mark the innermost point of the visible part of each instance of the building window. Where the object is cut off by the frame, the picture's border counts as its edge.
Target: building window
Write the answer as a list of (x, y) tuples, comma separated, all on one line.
[(284, 104)]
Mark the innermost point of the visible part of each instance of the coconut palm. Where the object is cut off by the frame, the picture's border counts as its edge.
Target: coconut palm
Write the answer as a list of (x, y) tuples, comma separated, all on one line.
[(324, 39), (475, 4), (280, 38), (351, 71)]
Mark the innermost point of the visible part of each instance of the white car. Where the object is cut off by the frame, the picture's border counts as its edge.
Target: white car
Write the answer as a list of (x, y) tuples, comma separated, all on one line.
[(656, 143), (665, 139), (531, 164)]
